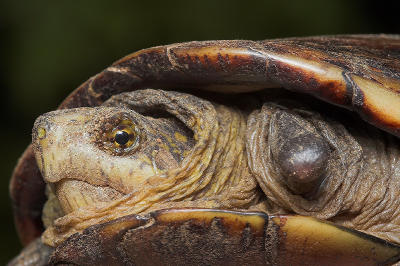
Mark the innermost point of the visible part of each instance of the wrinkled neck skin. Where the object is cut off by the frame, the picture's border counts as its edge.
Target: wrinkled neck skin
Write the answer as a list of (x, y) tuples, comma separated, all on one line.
[(283, 157), (375, 194), (211, 172), (360, 184)]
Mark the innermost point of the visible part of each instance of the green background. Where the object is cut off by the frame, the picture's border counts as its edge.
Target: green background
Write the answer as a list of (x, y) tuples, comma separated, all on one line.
[(47, 48)]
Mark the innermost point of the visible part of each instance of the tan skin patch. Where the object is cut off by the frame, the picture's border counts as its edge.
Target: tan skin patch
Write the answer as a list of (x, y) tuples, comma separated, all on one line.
[(215, 168), (171, 177), (180, 137)]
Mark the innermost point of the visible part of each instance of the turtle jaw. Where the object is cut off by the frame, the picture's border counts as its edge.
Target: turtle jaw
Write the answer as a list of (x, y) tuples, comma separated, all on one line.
[(52, 146), (75, 194)]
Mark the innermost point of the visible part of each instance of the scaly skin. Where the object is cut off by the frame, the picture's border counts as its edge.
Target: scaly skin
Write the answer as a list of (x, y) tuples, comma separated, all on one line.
[(305, 163), (359, 180), (170, 166), (188, 152)]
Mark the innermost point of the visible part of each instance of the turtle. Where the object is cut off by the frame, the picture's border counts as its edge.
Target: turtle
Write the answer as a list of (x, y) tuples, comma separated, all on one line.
[(274, 152)]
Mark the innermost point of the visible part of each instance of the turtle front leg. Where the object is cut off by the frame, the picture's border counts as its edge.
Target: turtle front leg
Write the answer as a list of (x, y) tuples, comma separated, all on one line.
[(36, 253), (314, 164)]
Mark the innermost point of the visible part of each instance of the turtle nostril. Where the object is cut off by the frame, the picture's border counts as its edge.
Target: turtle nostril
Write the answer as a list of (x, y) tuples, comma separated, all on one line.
[(41, 128), (41, 133)]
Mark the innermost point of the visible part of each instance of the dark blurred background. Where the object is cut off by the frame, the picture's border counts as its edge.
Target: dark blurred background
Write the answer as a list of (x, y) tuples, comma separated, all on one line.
[(48, 48)]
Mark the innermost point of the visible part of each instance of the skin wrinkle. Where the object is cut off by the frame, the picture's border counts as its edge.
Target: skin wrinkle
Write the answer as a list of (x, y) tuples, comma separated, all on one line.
[(268, 176), (350, 172), (216, 160), (359, 189), (322, 207), (218, 185), (365, 198), (375, 207), (386, 213), (230, 152), (197, 170)]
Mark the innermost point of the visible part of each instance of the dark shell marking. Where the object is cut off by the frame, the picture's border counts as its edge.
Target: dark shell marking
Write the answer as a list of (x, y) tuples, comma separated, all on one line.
[(215, 237), (357, 72)]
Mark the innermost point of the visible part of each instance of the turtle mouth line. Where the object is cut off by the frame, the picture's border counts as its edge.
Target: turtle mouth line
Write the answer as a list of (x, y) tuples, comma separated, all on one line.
[(75, 194)]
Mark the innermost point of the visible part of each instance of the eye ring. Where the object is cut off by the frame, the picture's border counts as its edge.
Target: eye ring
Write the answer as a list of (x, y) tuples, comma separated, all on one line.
[(125, 136)]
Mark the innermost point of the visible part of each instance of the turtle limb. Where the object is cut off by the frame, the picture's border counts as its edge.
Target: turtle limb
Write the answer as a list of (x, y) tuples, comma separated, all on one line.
[(310, 164)]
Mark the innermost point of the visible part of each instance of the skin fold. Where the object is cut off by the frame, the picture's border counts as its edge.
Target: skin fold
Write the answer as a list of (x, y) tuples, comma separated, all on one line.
[(169, 167), (278, 156), (137, 172)]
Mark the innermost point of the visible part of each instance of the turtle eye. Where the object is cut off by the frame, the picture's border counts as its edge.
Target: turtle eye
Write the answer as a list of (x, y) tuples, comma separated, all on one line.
[(125, 135), (121, 137)]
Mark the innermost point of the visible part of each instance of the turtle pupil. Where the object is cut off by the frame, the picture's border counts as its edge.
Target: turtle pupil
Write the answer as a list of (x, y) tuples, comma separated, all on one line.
[(121, 137)]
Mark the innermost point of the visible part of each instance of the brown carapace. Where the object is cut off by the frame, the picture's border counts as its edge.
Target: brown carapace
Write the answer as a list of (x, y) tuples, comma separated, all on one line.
[(229, 158)]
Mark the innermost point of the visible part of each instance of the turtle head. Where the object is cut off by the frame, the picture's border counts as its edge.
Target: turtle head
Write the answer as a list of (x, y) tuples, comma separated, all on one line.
[(138, 152), (96, 155)]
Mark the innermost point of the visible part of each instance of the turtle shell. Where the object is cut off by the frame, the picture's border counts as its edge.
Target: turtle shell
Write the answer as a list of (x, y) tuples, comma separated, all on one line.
[(357, 72)]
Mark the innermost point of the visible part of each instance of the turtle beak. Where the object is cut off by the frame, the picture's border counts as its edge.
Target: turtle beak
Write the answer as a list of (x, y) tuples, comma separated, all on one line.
[(50, 139), (215, 237)]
